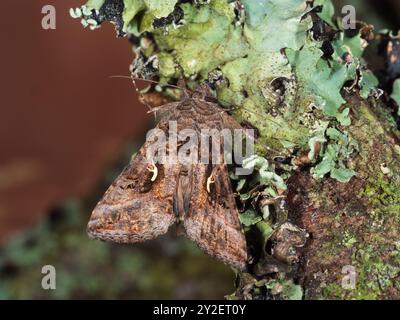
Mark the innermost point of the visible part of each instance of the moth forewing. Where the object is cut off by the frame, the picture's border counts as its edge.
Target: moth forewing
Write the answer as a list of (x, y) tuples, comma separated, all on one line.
[(213, 221), (138, 205), (164, 186)]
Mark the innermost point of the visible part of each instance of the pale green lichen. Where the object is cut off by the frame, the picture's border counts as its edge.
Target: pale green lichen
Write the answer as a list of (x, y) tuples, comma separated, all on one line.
[(152, 9), (328, 10), (265, 174), (373, 276), (369, 83), (95, 4), (207, 40), (85, 13), (339, 148), (269, 185), (349, 239), (286, 289), (317, 138), (321, 83), (250, 217)]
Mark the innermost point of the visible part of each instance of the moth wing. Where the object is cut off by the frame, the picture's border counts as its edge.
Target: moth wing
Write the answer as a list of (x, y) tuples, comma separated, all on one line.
[(213, 218), (135, 208)]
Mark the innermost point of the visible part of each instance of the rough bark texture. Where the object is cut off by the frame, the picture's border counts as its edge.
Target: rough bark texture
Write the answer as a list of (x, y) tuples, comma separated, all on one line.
[(354, 224), (288, 70)]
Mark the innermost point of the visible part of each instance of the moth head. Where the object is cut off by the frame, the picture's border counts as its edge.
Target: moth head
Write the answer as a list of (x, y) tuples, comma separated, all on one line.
[(202, 91)]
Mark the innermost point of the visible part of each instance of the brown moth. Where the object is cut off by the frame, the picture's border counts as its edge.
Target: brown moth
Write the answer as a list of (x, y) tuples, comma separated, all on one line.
[(146, 199)]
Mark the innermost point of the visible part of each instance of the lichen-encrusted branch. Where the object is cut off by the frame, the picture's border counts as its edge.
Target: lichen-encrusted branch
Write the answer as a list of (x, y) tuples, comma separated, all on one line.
[(325, 193)]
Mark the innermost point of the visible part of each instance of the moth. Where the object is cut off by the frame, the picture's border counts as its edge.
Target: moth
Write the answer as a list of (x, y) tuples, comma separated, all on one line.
[(147, 198)]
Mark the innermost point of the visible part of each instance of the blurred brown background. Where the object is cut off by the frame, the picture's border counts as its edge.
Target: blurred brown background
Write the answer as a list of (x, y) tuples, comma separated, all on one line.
[(66, 130), (62, 119)]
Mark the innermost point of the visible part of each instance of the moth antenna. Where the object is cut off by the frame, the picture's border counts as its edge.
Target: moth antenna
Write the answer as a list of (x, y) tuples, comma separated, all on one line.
[(135, 86), (146, 80)]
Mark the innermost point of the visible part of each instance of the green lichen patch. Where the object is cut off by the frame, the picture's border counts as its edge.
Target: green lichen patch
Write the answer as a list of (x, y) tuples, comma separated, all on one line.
[(263, 183), (369, 82), (86, 12), (284, 289), (319, 83), (95, 4), (340, 147), (249, 218), (376, 269), (383, 194), (208, 39), (352, 239), (327, 11), (135, 23), (279, 288), (396, 94)]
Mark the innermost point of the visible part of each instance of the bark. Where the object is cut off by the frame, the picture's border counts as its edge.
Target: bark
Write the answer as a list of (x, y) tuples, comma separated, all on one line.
[(354, 224)]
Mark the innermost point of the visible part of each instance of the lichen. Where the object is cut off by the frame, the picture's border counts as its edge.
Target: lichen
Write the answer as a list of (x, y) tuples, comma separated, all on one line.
[(373, 276), (396, 94), (339, 148), (383, 195)]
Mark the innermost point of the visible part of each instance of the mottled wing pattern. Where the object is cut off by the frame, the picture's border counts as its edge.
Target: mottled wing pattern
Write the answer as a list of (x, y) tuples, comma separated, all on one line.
[(134, 208), (213, 218), (139, 207)]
